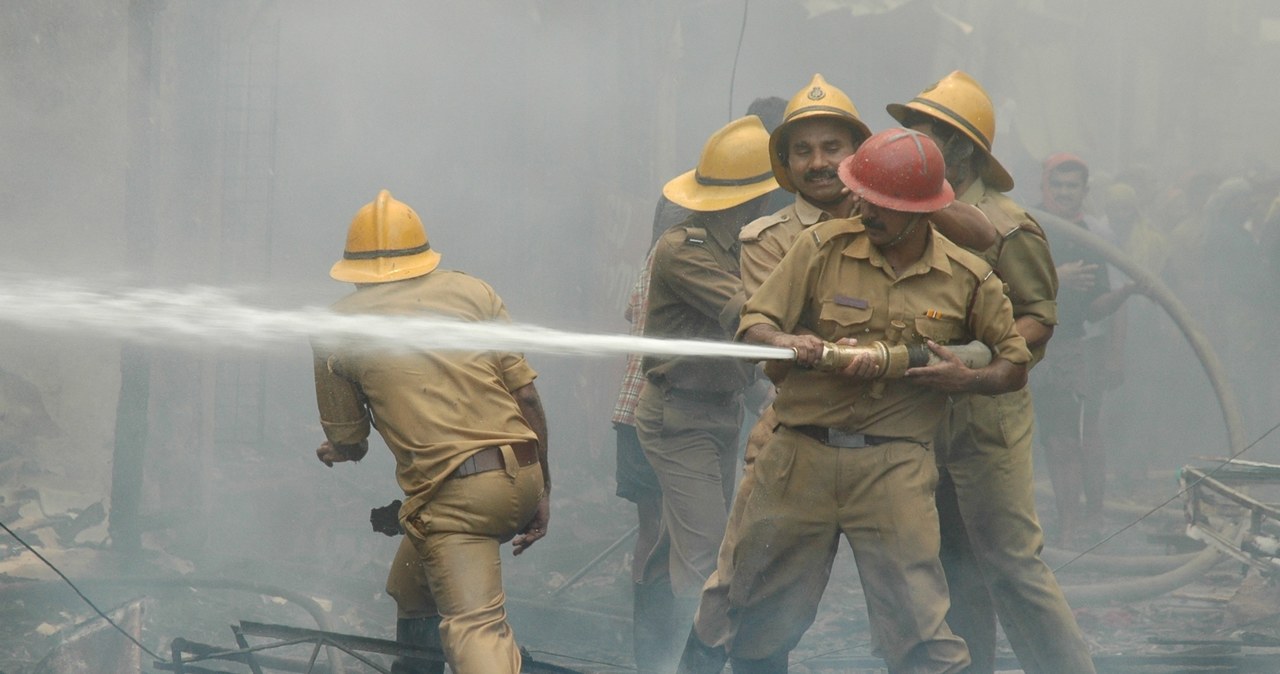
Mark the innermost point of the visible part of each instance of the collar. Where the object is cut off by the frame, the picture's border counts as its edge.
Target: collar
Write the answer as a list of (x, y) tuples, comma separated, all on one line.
[(973, 194), (725, 234), (807, 213), (934, 257)]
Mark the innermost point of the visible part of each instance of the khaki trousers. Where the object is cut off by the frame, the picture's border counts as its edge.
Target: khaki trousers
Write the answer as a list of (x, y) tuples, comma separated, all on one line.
[(991, 540), (711, 622), (449, 564), (880, 498), (692, 447)]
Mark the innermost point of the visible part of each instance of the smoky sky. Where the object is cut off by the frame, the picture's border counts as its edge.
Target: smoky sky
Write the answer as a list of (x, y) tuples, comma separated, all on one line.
[(534, 138)]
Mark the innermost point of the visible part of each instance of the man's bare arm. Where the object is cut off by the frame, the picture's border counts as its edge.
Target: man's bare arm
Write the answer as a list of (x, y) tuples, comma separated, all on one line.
[(953, 376), (808, 347), (1032, 330), (531, 407)]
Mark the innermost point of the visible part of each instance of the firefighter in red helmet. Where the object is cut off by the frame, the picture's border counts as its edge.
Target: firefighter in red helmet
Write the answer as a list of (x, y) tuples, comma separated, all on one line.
[(852, 455)]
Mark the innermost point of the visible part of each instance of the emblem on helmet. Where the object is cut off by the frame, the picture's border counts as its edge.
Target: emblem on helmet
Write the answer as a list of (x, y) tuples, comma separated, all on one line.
[(817, 94)]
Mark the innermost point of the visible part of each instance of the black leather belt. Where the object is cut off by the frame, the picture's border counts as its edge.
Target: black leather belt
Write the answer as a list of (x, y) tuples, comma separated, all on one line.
[(490, 458), (703, 396), (835, 437)]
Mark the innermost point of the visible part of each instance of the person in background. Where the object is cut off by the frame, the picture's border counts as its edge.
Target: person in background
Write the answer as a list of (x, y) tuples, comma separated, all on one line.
[(467, 430), (1070, 384)]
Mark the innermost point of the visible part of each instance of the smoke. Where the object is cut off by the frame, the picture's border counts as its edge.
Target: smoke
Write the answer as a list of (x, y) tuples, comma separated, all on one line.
[(196, 145)]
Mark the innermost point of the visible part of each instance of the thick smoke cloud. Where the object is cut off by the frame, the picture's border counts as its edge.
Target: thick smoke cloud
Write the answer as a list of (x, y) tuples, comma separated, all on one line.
[(180, 142)]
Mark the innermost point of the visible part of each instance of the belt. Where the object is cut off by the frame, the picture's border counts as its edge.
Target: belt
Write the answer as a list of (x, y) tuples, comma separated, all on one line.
[(490, 458), (702, 395), (835, 437)]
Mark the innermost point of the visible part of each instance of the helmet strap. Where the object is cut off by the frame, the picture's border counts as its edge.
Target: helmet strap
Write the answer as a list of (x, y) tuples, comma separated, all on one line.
[(906, 231)]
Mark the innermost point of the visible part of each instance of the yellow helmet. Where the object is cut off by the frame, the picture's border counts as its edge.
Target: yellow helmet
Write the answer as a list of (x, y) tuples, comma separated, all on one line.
[(386, 242), (819, 99), (733, 169), (961, 102)]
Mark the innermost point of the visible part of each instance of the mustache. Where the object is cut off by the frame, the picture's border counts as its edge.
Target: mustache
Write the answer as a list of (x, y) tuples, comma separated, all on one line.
[(820, 174)]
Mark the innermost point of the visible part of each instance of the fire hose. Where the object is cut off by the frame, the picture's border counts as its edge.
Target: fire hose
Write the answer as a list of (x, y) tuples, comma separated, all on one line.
[(1153, 288)]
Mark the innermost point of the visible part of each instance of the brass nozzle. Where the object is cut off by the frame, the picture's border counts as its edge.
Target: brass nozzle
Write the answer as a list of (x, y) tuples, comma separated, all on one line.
[(893, 360)]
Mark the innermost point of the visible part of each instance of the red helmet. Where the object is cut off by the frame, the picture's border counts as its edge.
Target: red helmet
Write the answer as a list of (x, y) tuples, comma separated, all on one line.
[(899, 169)]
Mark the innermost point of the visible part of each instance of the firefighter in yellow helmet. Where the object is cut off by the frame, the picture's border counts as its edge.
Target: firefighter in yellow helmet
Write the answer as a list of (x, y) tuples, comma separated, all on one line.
[(820, 127), (690, 409), (474, 473), (991, 537)]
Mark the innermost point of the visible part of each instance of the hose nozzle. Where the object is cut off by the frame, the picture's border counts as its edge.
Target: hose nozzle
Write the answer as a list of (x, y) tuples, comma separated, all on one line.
[(893, 360)]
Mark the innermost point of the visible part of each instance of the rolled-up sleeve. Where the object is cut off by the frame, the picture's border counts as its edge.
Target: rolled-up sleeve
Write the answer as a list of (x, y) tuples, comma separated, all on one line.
[(781, 299), (991, 319), (516, 371), (1027, 267), (344, 416)]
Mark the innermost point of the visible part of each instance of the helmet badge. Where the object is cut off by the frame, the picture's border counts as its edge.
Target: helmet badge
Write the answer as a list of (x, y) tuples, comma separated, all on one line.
[(817, 94)]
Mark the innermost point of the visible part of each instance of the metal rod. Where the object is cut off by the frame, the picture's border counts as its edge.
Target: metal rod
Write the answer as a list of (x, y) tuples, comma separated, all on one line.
[(598, 558)]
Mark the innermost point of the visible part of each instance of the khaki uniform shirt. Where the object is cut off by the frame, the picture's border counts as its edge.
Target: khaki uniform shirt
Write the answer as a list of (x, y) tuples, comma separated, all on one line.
[(834, 283), (1021, 257), (434, 409), (695, 293), (766, 240)]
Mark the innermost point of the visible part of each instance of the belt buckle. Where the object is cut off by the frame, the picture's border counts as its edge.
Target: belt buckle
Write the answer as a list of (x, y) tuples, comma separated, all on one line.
[(844, 440)]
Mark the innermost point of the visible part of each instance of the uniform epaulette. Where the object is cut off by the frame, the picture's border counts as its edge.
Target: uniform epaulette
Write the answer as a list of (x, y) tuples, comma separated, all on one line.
[(1007, 217), (826, 231), (756, 228), (696, 235), (976, 265)]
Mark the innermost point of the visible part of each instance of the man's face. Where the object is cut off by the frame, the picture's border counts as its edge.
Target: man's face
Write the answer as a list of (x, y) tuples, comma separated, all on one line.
[(814, 150), (883, 225), (955, 174), (1065, 191)]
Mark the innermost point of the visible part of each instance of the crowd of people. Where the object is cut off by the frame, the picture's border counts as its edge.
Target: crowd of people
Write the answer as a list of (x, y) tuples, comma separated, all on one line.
[(801, 228)]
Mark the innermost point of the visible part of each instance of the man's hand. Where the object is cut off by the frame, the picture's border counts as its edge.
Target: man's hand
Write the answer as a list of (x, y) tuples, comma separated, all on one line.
[(863, 365), (1077, 275), (950, 375), (536, 529), (808, 348), (329, 454)]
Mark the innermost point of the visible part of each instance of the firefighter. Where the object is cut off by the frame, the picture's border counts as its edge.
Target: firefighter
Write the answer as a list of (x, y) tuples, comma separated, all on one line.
[(821, 127), (467, 430), (690, 409), (991, 537), (851, 455)]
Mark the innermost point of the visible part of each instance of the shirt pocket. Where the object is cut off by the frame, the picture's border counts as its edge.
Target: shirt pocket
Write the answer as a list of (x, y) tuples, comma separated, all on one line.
[(841, 320), (941, 329)]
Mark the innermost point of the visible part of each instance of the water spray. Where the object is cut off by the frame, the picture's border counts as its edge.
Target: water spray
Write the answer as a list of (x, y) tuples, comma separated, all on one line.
[(213, 317)]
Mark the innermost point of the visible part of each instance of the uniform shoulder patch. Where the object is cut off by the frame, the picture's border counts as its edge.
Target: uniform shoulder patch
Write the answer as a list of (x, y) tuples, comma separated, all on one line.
[(696, 235), (754, 229), (831, 229)]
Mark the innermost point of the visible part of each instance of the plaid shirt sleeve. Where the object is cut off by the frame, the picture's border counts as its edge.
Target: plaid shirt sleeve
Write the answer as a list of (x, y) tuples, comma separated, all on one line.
[(624, 411)]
